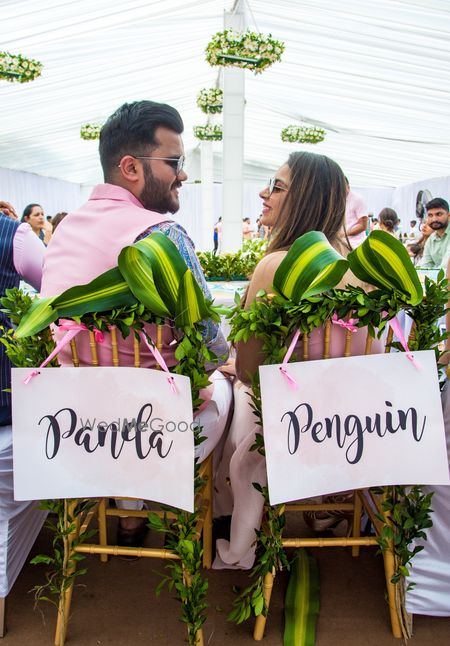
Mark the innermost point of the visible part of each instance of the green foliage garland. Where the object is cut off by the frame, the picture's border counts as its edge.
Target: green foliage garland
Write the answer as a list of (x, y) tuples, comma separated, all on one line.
[(15, 68), (90, 131), (249, 50), (210, 100), (210, 132), (303, 134)]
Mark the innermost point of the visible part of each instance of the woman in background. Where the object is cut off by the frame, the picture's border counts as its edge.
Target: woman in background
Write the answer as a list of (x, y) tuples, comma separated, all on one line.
[(34, 215), (388, 220)]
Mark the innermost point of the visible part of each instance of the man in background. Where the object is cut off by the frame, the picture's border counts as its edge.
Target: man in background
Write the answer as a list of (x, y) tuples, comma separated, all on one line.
[(437, 248), (356, 217)]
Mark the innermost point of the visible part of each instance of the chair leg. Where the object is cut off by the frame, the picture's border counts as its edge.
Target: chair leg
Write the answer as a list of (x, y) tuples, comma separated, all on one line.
[(2, 616), (66, 595), (102, 528), (389, 569), (260, 623), (356, 521), (207, 525)]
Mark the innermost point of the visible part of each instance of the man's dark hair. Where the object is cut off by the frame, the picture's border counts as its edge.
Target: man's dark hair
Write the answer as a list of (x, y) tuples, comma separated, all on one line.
[(437, 203), (131, 130)]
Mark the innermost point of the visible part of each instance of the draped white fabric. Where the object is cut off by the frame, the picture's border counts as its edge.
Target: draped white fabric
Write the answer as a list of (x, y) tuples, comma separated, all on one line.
[(20, 522), (375, 74)]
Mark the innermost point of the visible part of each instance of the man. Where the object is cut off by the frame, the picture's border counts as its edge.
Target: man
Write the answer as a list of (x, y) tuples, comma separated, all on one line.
[(142, 157), (356, 216), (437, 248), (413, 229), (21, 256)]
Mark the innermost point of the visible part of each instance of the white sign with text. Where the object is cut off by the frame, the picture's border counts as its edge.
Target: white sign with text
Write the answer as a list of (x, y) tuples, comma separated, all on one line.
[(352, 423), (88, 432)]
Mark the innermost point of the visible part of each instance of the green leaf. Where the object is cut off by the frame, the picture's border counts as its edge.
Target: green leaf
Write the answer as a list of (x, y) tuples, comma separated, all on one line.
[(383, 261), (38, 317), (105, 292), (310, 267), (191, 304), (302, 601), (135, 267), (167, 265)]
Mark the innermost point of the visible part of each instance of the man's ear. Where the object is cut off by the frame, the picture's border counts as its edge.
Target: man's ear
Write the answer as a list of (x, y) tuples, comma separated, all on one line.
[(130, 169)]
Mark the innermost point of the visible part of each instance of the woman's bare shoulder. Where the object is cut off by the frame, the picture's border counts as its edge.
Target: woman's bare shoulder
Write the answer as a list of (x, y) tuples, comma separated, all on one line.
[(264, 274)]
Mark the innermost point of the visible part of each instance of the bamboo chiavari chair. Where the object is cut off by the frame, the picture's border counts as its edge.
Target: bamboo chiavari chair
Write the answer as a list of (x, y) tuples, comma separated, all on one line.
[(102, 509), (360, 499)]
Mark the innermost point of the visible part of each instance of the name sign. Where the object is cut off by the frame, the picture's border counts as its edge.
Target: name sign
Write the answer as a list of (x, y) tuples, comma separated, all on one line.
[(352, 423), (88, 432)]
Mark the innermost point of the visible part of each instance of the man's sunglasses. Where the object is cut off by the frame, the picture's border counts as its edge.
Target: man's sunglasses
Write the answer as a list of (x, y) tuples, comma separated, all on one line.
[(177, 163), (273, 186)]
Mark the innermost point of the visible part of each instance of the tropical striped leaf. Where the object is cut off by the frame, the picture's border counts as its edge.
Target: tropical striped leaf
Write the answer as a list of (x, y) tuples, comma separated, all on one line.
[(167, 265), (310, 267), (191, 305), (38, 317), (383, 261), (301, 606), (137, 270), (107, 291)]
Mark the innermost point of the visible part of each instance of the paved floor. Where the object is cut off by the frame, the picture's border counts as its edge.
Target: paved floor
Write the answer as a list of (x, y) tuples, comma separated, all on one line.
[(115, 604)]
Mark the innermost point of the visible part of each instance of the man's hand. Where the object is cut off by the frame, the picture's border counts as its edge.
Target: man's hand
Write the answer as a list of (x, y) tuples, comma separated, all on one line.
[(8, 210)]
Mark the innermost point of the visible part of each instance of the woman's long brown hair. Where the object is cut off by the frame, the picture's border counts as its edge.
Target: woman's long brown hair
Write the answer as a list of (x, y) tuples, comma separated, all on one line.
[(315, 200)]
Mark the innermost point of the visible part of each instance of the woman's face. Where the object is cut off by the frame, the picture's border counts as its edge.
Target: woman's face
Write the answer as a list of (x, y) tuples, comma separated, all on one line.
[(36, 218), (272, 203)]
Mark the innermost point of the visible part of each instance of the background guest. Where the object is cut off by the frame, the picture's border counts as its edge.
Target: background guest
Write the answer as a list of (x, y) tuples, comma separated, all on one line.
[(388, 220), (33, 214), (356, 217)]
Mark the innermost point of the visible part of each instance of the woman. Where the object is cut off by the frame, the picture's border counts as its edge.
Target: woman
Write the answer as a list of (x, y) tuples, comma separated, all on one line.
[(34, 215), (308, 193), (388, 219)]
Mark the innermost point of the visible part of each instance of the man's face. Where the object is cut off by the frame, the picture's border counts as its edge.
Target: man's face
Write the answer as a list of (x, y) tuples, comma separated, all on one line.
[(161, 184), (437, 218)]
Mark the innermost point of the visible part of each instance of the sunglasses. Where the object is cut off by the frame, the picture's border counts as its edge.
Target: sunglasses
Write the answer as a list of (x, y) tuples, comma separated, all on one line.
[(273, 186), (177, 163)]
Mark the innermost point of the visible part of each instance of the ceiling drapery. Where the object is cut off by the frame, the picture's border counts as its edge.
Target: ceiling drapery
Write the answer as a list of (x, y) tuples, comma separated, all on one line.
[(375, 75)]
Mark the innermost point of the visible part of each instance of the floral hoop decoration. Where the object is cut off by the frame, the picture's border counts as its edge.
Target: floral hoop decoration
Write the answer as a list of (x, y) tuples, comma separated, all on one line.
[(209, 132), (90, 131), (16, 68), (210, 101), (248, 49), (303, 134)]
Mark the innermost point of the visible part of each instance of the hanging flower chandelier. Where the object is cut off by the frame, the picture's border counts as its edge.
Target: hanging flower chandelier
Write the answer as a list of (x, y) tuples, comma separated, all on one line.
[(303, 134), (248, 49), (90, 131), (209, 132), (15, 68), (210, 100)]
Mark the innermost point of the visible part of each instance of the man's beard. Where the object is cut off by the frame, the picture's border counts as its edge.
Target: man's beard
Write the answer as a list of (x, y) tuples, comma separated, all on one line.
[(438, 225), (155, 196)]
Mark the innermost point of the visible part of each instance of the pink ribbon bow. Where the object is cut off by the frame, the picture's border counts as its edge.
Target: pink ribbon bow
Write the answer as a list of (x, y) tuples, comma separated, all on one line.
[(291, 381), (348, 325), (72, 328), (396, 327), (160, 360), (68, 325)]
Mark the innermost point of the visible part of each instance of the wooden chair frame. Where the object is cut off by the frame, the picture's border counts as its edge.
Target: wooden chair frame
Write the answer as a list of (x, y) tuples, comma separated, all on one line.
[(362, 499), (101, 509)]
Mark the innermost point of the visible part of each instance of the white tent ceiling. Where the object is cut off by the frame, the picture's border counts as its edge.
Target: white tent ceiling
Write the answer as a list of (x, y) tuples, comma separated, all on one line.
[(375, 74)]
